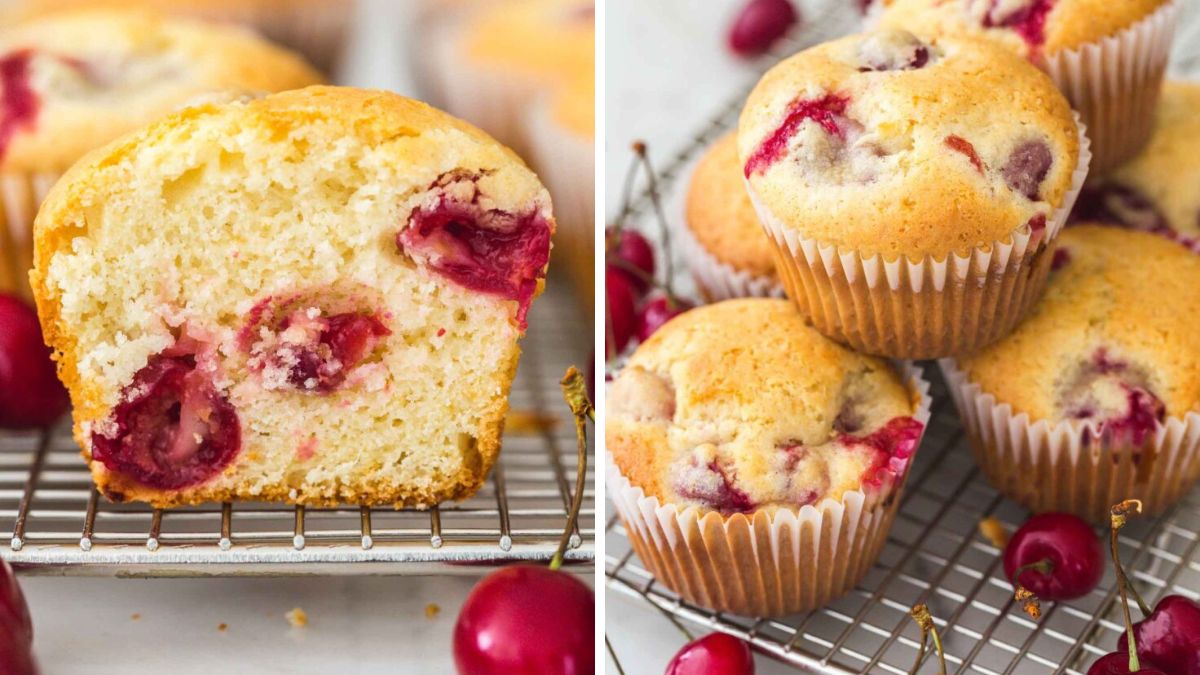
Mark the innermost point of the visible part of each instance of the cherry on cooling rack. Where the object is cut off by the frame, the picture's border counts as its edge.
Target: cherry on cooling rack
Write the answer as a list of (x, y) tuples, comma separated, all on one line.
[(30, 394), (657, 311), (760, 24), (713, 654), (631, 252), (1117, 663), (1169, 636), (621, 317), (16, 628), (1056, 556)]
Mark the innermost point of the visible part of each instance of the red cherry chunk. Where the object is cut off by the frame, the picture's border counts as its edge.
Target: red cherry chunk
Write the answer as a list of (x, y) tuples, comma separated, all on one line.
[(725, 497), (1062, 258), (30, 394), (713, 654), (894, 445), (486, 250), (760, 24), (1170, 636), (1119, 205), (892, 50), (1027, 19), (18, 101), (172, 430), (1027, 167), (827, 111), (1070, 549), (962, 145)]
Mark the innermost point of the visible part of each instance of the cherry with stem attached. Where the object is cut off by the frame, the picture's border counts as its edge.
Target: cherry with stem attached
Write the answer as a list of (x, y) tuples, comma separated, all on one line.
[(1053, 556)]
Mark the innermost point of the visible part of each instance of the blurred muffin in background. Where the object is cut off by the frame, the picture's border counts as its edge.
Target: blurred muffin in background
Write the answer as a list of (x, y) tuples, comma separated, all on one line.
[(318, 29), (75, 80), (491, 67)]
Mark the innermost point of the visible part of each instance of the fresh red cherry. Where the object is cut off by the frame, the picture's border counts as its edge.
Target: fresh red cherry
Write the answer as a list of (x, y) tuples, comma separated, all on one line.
[(1056, 555), (1117, 663), (14, 612), (1170, 636), (631, 248), (526, 619), (621, 317), (30, 394), (656, 312), (713, 654), (760, 24), (16, 658)]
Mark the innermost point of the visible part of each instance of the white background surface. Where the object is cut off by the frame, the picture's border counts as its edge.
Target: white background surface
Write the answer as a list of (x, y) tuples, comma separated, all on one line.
[(667, 73), (356, 625)]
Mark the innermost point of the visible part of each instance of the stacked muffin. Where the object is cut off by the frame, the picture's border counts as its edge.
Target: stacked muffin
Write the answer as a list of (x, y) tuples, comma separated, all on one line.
[(75, 80), (912, 189), (524, 71)]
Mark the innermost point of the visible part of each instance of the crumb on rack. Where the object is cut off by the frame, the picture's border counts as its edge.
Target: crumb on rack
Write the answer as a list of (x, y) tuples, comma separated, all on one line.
[(529, 422), (222, 627), (297, 617), (994, 531), (135, 616), (432, 610)]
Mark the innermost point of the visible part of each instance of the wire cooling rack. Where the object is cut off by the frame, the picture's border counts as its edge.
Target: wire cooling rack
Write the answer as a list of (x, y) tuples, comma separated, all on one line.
[(58, 524), (934, 553)]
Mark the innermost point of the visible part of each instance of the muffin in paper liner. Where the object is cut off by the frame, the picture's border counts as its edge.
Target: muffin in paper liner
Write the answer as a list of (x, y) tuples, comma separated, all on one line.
[(1115, 83), (763, 564), (1065, 466), (924, 309), (20, 196)]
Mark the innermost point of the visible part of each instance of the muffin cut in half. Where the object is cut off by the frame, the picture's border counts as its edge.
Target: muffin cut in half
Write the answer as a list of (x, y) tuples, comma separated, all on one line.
[(314, 297)]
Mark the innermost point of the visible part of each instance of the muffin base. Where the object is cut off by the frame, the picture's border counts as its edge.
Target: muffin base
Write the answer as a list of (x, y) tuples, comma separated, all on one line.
[(1063, 466), (718, 281), (763, 564), (919, 309), (1115, 83)]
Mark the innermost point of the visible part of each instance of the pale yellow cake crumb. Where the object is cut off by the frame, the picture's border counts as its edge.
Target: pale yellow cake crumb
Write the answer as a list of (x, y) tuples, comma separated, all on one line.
[(297, 617)]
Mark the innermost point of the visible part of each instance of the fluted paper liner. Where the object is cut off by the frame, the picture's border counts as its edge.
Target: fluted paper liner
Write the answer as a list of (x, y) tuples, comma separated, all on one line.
[(925, 309), (21, 195), (763, 564), (1115, 82), (715, 280), (318, 30), (1066, 466), (566, 161)]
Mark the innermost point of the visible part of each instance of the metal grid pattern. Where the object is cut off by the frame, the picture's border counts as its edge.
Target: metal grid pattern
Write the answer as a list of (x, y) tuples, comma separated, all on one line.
[(58, 524), (934, 553)]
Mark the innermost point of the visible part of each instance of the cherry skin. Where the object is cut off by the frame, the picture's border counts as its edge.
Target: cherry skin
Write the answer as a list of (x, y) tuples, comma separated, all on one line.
[(656, 312), (760, 24), (16, 658), (713, 654), (632, 249), (526, 619), (1170, 636), (1072, 549), (1117, 663), (30, 394), (14, 612), (621, 318)]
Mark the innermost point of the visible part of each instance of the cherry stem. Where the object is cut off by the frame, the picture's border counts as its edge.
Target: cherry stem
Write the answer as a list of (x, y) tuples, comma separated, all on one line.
[(574, 388), (613, 653), (920, 613), (639, 149), (1027, 598), (627, 194), (1120, 512)]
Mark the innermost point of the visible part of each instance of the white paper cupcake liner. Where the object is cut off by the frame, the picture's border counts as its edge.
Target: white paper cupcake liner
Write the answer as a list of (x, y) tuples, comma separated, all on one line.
[(1066, 466), (1114, 84), (718, 281), (21, 196), (925, 309), (763, 564), (566, 162)]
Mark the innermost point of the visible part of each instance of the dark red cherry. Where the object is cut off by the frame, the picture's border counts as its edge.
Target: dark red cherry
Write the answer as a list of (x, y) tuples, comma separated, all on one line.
[(713, 654), (16, 657), (526, 619), (1118, 205), (1062, 556), (172, 429), (1170, 636), (14, 612), (1117, 663), (631, 248), (760, 24), (1027, 167), (30, 394), (487, 250), (656, 312), (18, 101), (621, 315), (340, 343)]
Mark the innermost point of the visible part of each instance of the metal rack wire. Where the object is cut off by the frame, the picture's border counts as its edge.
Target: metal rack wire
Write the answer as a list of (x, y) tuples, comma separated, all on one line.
[(934, 553), (58, 524)]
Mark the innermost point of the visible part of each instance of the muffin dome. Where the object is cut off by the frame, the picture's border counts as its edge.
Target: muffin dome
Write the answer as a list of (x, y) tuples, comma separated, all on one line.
[(1027, 27), (885, 143), (551, 40), (702, 416), (719, 214), (1115, 339), (1157, 189), (75, 80)]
